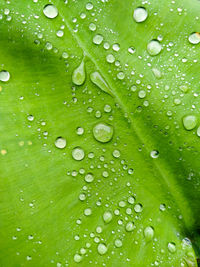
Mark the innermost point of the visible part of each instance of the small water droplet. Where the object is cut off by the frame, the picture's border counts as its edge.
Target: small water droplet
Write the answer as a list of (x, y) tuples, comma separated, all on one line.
[(194, 38), (110, 58), (154, 154), (189, 122), (107, 216), (149, 233), (80, 131), (97, 79), (118, 243), (102, 249), (4, 76), (78, 76), (98, 39), (198, 131), (107, 108), (77, 258), (171, 247), (78, 153), (60, 33), (89, 178), (50, 11), (92, 27), (103, 132), (154, 48), (120, 75), (140, 14), (30, 118), (116, 47), (138, 208), (87, 212), (129, 227), (60, 142), (116, 153), (89, 6), (162, 207)]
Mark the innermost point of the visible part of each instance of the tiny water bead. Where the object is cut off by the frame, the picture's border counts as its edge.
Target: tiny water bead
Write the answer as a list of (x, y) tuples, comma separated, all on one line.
[(189, 122), (4, 76), (98, 39), (102, 249), (116, 153), (87, 212), (154, 48), (110, 58), (138, 208), (120, 75), (171, 247), (118, 243), (77, 258), (60, 142), (140, 14), (129, 227), (107, 108), (30, 118), (50, 11), (194, 38), (89, 6), (154, 154), (80, 131), (92, 27), (116, 47), (78, 153), (89, 178), (198, 131), (149, 233), (98, 80), (103, 132), (78, 76), (107, 216)]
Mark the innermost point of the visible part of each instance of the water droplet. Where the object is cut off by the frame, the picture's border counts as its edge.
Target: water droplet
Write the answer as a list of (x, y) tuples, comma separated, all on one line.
[(194, 38), (131, 50), (103, 132), (154, 47), (140, 14), (50, 11), (184, 88), (89, 178), (77, 258), (129, 227), (87, 212), (78, 153), (198, 131), (30, 118), (116, 47), (97, 79), (118, 243), (60, 33), (60, 142), (98, 39), (148, 233), (80, 131), (4, 76), (131, 200), (142, 94), (107, 216), (78, 76), (89, 6), (110, 58), (157, 73), (92, 27), (154, 154), (107, 108), (102, 249), (138, 208), (120, 75), (189, 122), (116, 153), (171, 247), (162, 207)]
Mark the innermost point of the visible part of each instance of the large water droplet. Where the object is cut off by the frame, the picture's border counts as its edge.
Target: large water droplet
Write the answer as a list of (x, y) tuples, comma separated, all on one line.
[(102, 249), (171, 247), (50, 11), (78, 76), (194, 38), (103, 132), (4, 76), (78, 153), (140, 14), (107, 216), (189, 122), (60, 142), (154, 47), (97, 79), (148, 233)]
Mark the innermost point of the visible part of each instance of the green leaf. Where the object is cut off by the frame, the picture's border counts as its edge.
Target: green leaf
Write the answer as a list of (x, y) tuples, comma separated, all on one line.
[(99, 132)]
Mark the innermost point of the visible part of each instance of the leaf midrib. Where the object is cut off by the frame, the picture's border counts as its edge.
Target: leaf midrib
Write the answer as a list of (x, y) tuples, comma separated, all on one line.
[(182, 205)]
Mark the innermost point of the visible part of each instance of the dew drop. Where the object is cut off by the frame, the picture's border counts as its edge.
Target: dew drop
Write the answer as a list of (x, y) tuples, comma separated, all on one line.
[(89, 178), (140, 14), (77, 258), (97, 79), (60, 33), (60, 142), (78, 153), (78, 76), (30, 118), (102, 249), (116, 153), (162, 207), (118, 243), (148, 233), (50, 11), (103, 132), (4, 76), (116, 47), (171, 247), (98, 39), (107, 108), (154, 154), (87, 212), (92, 27), (129, 227), (110, 58), (120, 75), (107, 216), (194, 38), (154, 47), (89, 6), (189, 122), (138, 208), (198, 131), (131, 200), (80, 131)]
